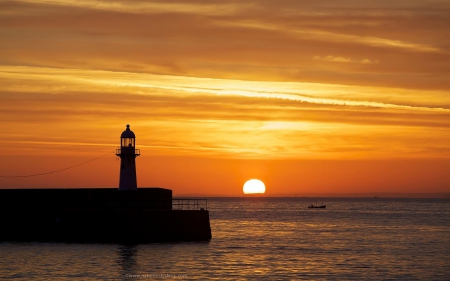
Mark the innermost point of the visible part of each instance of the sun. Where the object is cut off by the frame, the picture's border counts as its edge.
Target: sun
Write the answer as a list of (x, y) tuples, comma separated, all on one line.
[(254, 186)]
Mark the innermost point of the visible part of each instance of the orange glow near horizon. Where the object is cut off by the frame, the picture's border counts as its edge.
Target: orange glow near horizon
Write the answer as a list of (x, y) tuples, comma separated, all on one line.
[(309, 98)]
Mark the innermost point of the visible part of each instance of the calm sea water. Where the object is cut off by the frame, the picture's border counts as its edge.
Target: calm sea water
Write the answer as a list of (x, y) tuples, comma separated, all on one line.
[(266, 238)]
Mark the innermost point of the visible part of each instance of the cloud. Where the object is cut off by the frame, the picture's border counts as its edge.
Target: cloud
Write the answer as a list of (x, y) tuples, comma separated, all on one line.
[(257, 40), (285, 78), (149, 7), (57, 80), (215, 117), (344, 59)]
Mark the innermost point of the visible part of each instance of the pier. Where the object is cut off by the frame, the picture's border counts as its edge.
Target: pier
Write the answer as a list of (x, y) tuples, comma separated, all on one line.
[(104, 215), (101, 215)]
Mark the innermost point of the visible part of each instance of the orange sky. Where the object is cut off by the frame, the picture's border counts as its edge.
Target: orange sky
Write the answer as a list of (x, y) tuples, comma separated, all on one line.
[(308, 97)]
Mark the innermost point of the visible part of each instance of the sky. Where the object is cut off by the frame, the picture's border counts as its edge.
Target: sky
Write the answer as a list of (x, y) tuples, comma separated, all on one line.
[(311, 97)]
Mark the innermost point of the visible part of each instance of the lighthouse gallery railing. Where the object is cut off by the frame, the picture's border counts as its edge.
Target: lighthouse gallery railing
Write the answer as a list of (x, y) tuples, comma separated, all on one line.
[(136, 151)]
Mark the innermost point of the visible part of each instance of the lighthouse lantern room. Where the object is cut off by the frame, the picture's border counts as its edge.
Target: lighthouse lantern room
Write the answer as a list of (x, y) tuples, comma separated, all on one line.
[(128, 153)]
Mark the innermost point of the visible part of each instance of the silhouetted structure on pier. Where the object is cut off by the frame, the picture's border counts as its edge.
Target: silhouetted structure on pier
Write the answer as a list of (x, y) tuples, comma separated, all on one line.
[(128, 215)]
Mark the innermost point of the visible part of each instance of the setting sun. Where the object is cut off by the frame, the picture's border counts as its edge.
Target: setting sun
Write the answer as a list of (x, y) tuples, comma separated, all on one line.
[(254, 186)]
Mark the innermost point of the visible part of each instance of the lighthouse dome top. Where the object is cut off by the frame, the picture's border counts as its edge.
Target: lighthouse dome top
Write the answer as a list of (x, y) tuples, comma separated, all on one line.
[(128, 133)]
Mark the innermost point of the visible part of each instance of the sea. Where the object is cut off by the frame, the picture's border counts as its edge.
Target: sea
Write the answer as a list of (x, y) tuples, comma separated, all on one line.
[(259, 238)]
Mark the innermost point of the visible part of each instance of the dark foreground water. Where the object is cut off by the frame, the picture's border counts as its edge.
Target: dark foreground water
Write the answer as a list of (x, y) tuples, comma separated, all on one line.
[(266, 238)]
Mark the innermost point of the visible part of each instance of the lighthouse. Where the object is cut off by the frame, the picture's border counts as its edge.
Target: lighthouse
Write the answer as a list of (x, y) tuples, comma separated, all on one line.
[(150, 214), (128, 153)]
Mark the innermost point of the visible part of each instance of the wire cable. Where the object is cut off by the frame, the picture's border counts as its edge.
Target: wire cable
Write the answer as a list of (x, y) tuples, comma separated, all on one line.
[(56, 171)]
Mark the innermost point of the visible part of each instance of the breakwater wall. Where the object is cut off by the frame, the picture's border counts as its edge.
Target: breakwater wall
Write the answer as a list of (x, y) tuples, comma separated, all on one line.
[(101, 215)]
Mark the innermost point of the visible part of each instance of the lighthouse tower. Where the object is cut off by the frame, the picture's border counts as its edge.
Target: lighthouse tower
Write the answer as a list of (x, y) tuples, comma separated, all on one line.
[(127, 153)]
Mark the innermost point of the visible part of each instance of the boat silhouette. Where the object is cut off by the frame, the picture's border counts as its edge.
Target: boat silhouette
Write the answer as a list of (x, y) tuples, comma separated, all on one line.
[(312, 206)]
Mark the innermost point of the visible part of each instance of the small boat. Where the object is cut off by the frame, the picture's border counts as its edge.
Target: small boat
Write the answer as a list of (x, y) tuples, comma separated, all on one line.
[(317, 206)]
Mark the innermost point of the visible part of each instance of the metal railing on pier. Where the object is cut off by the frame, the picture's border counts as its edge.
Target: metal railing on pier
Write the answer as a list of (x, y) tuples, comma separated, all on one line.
[(189, 204)]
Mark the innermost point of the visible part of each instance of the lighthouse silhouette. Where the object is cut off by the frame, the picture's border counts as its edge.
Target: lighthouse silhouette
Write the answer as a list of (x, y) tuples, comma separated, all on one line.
[(149, 214), (128, 153)]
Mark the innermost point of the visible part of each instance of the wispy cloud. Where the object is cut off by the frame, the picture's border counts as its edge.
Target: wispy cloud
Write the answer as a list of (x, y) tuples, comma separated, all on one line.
[(215, 117), (250, 40), (145, 83), (344, 59), (336, 37), (150, 7), (264, 78)]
